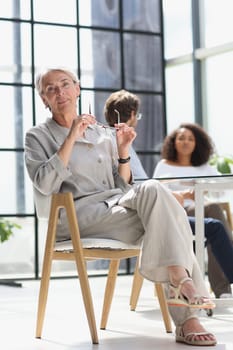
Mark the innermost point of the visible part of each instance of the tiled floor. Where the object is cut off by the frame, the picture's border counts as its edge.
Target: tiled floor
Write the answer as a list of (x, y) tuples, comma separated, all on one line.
[(65, 326)]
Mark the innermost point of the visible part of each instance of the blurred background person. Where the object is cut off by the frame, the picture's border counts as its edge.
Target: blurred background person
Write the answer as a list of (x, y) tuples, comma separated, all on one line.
[(186, 152)]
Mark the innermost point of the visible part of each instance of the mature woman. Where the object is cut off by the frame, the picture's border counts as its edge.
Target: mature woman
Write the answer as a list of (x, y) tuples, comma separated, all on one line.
[(186, 152), (70, 152)]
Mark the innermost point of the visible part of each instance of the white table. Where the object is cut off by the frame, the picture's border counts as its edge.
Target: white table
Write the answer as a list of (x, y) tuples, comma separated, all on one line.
[(201, 185), (218, 183)]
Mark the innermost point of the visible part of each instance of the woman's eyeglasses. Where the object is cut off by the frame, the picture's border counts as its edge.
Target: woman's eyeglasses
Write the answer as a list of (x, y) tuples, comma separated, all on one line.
[(139, 116)]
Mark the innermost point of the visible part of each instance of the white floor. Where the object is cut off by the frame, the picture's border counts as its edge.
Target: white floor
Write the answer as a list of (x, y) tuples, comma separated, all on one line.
[(65, 326)]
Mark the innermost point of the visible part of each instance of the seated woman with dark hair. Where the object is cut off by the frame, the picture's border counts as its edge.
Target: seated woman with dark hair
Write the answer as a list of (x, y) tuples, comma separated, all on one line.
[(186, 152)]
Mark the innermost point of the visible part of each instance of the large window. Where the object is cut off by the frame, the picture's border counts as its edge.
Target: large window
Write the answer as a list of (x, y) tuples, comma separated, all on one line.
[(198, 55), (110, 45)]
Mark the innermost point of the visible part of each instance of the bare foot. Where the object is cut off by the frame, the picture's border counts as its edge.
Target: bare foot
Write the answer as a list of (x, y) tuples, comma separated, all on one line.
[(193, 326)]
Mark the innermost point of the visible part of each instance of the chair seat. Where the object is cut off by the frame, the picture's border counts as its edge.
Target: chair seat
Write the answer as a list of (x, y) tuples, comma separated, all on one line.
[(95, 243)]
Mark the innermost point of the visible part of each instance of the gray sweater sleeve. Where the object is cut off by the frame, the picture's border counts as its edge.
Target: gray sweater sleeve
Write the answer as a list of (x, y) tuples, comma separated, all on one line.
[(44, 166)]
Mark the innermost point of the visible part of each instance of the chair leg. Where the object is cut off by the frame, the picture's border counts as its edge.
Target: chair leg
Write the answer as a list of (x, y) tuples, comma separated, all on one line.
[(46, 270), (109, 290), (81, 267), (136, 288), (43, 294), (163, 307), (87, 300)]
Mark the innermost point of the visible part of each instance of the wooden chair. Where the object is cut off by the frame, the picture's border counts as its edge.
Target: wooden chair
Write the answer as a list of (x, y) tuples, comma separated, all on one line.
[(81, 250), (227, 210)]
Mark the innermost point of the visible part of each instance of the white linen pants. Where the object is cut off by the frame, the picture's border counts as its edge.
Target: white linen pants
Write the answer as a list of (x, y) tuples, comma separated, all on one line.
[(148, 212)]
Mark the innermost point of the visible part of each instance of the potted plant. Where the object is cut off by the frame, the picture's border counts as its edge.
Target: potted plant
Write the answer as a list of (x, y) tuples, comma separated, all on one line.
[(6, 229), (224, 164)]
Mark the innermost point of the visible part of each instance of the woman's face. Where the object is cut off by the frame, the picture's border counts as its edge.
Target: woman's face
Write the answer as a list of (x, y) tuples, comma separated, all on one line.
[(185, 142), (59, 91)]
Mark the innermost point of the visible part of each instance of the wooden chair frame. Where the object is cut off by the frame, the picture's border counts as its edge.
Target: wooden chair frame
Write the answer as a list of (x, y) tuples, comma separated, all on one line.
[(80, 254), (227, 209)]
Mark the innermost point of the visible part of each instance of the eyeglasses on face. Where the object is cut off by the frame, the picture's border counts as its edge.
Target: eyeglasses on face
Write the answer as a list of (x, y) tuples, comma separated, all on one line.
[(53, 89), (139, 116)]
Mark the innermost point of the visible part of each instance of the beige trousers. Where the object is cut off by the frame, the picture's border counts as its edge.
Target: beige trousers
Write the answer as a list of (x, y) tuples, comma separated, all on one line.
[(167, 240), (148, 213)]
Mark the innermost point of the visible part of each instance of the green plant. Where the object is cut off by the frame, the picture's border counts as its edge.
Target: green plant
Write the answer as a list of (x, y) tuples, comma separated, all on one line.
[(222, 163), (6, 229)]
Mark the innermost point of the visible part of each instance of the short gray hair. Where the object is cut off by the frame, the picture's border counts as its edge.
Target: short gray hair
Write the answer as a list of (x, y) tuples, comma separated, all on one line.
[(41, 75)]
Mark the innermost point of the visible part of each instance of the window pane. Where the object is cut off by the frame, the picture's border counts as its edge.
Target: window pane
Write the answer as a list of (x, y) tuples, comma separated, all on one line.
[(141, 15), (15, 60), (42, 113), (151, 124), (13, 8), (219, 77), (55, 46), (100, 59), (177, 27), (97, 101), (99, 13), (218, 26), (143, 62), (13, 185), (179, 95), (17, 254), (16, 104), (55, 11), (150, 129)]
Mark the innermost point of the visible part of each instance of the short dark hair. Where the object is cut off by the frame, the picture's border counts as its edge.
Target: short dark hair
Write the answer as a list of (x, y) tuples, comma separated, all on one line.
[(204, 145), (124, 102)]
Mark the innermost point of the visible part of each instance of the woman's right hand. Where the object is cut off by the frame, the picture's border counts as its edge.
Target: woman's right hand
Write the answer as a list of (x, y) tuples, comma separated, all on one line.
[(80, 124), (77, 130)]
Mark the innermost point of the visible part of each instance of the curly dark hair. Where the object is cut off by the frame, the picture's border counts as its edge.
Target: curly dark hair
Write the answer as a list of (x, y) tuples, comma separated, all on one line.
[(204, 145), (123, 101)]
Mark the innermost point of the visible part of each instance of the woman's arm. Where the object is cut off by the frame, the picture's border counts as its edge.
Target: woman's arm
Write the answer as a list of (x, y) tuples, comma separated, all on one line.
[(125, 136)]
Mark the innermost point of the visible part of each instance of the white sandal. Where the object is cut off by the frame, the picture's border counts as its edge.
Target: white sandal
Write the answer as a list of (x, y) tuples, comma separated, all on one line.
[(190, 338), (178, 299)]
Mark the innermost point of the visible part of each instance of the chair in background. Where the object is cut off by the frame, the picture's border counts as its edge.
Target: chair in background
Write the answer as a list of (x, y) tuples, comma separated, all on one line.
[(227, 210), (81, 250)]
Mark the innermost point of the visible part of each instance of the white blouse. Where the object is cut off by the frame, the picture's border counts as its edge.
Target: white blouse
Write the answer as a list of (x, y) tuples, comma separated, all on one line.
[(166, 170)]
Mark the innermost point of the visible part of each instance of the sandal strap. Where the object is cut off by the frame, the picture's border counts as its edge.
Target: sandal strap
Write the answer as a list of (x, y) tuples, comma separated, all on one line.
[(182, 281), (185, 279), (180, 332)]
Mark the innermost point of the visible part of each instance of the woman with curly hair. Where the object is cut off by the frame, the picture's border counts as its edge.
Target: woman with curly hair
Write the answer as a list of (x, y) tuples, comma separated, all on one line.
[(186, 152)]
